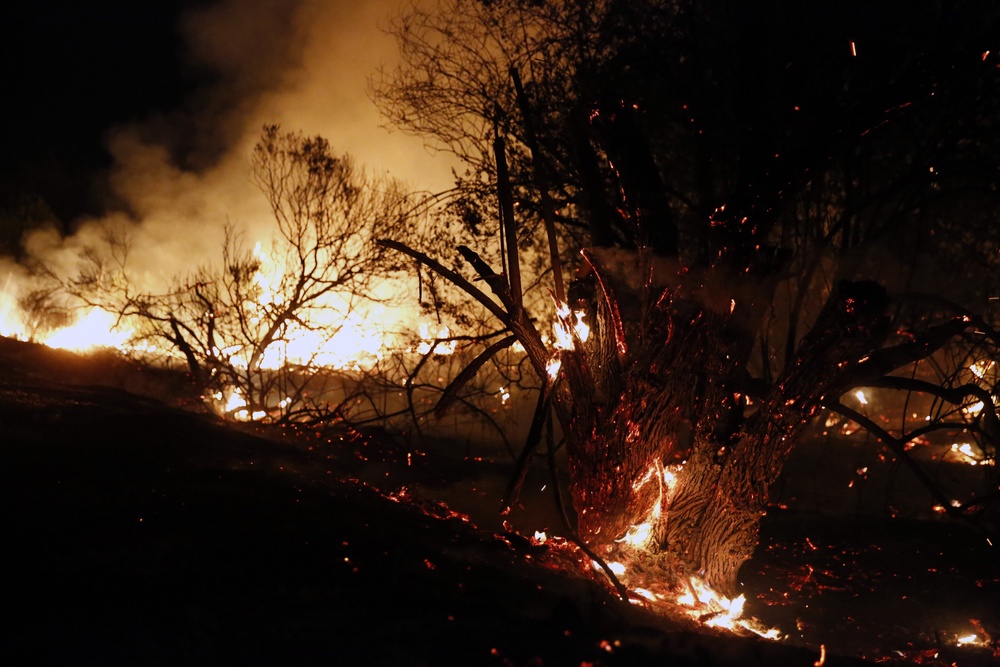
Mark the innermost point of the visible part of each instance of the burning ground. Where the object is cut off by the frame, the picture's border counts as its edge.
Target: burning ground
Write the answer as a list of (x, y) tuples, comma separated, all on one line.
[(138, 532)]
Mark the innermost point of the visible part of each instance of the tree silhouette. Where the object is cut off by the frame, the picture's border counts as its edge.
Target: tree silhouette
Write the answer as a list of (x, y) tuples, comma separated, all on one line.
[(238, 325), (768, 198)]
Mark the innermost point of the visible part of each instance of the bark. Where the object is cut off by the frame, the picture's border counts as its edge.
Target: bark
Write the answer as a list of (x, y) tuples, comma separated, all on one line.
[(679, 391), (662, 378)]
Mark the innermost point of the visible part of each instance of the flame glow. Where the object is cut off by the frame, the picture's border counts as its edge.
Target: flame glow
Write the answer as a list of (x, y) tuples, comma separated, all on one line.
[(981, 368), (95, 329), (965, 453), (563, 331)]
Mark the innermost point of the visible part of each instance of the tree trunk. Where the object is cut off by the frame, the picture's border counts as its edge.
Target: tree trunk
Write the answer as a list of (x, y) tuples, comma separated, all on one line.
[(662, 379)]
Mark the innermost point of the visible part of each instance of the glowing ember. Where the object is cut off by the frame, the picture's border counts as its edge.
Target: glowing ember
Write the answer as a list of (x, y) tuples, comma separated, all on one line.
[(861, 397)]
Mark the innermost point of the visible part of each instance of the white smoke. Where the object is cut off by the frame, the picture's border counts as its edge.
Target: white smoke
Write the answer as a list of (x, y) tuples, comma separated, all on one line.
[(181, 176)]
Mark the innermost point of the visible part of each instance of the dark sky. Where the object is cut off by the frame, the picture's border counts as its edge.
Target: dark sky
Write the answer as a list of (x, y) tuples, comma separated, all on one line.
[(72, 70), (196, 77)]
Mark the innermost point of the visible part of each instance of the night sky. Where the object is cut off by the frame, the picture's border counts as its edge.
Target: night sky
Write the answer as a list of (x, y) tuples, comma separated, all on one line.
[(197, 78), (73, 70)]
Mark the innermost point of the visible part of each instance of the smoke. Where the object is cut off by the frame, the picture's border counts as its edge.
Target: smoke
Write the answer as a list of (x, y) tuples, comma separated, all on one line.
[(180, 176)]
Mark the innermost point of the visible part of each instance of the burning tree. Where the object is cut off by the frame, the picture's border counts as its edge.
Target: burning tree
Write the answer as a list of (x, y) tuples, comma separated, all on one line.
[(752, 201), (261, 332)]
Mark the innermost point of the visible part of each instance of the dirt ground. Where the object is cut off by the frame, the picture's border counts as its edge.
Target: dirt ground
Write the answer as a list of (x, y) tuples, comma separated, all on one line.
[(137, 532)]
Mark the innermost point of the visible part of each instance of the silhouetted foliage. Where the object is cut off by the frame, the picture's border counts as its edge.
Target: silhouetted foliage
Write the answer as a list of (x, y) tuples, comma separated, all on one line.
[(768, 192)]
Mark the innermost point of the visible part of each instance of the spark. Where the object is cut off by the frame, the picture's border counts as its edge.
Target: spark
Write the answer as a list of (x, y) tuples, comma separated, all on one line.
[(861, 397), (822, 656)]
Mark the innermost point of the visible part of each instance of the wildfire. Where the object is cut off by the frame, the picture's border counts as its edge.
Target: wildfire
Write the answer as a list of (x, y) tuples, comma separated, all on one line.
[(95, 329), (335, 334), (698, 600)]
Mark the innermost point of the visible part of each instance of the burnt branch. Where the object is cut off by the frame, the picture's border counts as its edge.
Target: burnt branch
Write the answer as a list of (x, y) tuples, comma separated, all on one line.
[(452, 276), (467, 373), (898, 447), (954, 395)]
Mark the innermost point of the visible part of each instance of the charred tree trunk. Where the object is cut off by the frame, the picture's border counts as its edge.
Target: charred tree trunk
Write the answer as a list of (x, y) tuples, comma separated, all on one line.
[(662, 379)]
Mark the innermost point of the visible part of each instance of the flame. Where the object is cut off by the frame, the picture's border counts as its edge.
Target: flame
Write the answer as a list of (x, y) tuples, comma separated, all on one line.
[(699, 600), (701, 597), (563, 331), (964, 453), (974, 409), (10, 322), (233, 402), (981, 368), (97, 328), (971, 640), (335, 334), (358, 342), (638, 536), (563, 338), (617, 568), (428, 340)]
